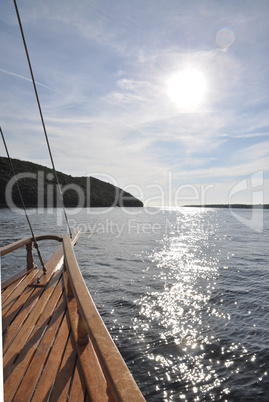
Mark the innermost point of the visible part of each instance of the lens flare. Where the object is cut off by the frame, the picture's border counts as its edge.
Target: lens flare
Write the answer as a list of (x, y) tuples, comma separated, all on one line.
[(225, 38)]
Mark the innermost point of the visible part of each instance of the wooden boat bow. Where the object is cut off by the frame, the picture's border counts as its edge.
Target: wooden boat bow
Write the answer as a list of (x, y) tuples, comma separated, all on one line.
[(55, 343)]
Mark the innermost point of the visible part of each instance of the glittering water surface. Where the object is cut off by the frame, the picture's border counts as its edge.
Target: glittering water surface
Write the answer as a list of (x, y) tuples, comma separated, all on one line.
[(183, 293)]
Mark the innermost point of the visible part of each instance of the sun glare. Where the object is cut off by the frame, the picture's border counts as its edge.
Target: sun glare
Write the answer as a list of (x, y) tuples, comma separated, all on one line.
[(187, 89)]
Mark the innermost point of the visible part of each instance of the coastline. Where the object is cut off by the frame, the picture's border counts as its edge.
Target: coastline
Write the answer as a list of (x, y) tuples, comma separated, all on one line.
[(242, 206)]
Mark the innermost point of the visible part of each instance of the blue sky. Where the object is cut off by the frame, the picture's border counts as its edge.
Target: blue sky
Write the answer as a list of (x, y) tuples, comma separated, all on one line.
[(103, 69)]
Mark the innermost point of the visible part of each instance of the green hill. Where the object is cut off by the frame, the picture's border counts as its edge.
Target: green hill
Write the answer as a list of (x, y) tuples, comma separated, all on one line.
[(38, 187)]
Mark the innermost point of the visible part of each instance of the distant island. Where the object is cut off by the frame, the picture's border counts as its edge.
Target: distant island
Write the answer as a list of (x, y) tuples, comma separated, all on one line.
[(246, 206), (38, 187)]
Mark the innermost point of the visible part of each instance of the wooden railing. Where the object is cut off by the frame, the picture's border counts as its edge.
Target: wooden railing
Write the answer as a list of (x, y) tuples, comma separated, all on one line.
[(28, 243), (91, 326)]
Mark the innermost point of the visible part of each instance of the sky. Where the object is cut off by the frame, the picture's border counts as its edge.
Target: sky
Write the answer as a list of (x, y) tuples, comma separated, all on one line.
[(167, 99)]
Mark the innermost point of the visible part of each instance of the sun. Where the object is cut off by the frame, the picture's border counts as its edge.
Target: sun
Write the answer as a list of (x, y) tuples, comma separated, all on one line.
[(187, 89)]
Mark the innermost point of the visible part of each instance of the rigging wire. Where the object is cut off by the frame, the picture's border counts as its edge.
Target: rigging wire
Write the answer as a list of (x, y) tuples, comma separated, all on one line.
[(41, 116), (23, 205)]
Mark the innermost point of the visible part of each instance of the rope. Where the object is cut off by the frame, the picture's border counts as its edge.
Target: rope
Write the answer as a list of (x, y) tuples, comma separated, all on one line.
[(20, 194), (41, 116)]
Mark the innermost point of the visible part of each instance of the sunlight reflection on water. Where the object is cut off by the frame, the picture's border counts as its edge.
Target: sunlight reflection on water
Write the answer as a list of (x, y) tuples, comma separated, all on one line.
[(187, 269)]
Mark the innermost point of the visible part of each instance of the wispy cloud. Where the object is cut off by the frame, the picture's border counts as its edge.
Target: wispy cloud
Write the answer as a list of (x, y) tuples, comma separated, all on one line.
[(24, 78)]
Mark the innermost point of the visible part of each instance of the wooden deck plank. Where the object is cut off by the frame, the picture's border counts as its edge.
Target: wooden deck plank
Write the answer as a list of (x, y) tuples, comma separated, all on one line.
[(47, 379), (13, 328), (16, 302), (16, 277), (53, 265), (11, 299), (37, 363), (78, 388), (5, 293), (15, 376), (64, 378), (95, 381), (36, 318)]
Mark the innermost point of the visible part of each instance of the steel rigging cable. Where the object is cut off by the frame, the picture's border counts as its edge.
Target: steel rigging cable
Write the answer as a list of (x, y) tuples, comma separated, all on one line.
[(41, 116), (23, 205)]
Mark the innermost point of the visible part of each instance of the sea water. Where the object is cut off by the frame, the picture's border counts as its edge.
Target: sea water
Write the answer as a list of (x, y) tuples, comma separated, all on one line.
[(184, 293)]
